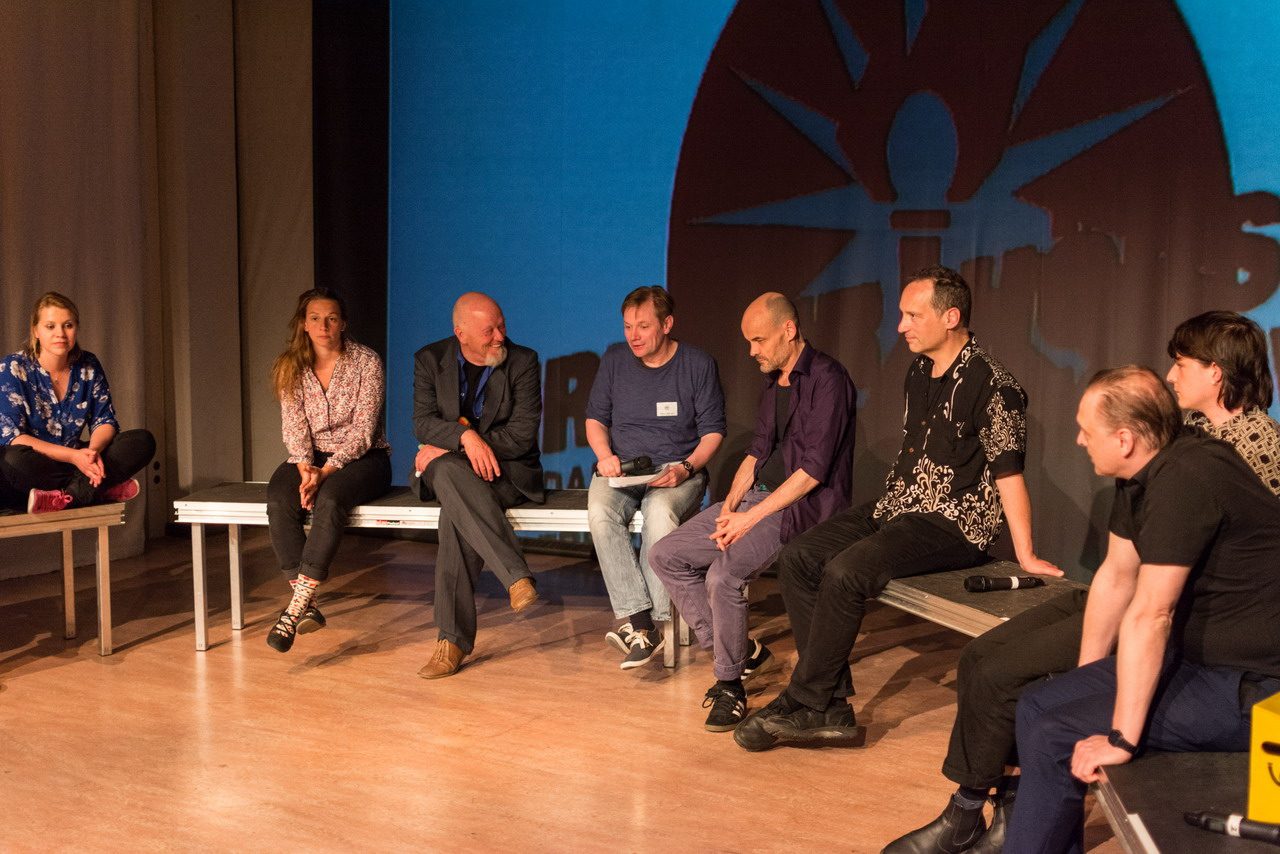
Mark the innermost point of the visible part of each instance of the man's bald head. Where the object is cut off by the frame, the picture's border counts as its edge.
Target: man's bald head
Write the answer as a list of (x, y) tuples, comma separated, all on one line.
[(470, 303), (771, 327), (774, 308), (480, 328)]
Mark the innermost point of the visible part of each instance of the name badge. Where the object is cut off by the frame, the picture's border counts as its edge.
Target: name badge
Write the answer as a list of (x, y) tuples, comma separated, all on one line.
[(667, 408)]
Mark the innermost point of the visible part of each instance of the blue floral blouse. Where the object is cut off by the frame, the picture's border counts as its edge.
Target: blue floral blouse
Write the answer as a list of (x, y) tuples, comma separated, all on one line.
[(28, 405)]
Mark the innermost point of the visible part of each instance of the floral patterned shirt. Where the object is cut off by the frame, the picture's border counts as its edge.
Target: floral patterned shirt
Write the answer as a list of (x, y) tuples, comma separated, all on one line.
[(29, 407), (344, 422), (960, 432)]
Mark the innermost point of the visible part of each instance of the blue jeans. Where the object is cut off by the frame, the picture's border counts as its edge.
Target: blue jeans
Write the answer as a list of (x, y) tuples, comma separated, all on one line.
[(1195, 708), (632, 586)]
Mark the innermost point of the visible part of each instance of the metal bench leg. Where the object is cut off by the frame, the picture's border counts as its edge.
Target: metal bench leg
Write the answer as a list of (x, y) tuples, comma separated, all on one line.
[(104, 591), (68, 586), (237, 590), (197, 583)]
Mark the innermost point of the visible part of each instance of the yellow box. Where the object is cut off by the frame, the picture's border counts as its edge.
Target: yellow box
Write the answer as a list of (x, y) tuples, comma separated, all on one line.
[(1264, 762)]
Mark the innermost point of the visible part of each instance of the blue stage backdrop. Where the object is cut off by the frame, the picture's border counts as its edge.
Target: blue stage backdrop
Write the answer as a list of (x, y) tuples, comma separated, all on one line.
[(1098, 171)]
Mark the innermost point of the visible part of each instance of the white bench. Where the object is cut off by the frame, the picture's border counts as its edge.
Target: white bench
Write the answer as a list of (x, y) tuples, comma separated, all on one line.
[(100, 516), (938, 597), (239, 504)]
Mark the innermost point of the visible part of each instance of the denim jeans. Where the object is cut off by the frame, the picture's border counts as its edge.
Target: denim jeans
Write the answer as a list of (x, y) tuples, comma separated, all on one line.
[(630, 581)]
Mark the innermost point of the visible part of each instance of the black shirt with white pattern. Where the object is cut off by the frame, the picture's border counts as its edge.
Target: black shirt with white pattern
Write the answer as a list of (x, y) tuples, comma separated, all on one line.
[(960, 432)]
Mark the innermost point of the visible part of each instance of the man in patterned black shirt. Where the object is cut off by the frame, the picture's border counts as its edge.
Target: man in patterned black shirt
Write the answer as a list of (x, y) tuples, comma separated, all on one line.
[(958, 474)]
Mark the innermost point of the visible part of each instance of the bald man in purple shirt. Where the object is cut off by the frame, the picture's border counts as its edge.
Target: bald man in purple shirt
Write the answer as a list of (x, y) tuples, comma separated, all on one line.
[(797, 472)]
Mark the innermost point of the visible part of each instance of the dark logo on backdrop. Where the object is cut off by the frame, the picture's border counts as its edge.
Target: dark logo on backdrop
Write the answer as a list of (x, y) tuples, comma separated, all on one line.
[(1035, 144)]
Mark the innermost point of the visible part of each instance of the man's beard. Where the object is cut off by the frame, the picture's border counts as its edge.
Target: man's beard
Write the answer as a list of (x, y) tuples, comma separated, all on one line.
[(492, 359)]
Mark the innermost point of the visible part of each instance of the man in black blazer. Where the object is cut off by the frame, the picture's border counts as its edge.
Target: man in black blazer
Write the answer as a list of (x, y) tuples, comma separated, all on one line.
[(477, 403)]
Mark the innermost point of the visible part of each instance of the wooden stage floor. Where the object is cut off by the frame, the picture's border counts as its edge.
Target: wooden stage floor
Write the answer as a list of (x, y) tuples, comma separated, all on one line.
[(540, 743)]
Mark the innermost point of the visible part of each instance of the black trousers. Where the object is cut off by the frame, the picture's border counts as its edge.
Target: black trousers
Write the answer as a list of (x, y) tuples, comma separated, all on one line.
[(994, 669), (474, 533), (828, 573), (358, 482), (23, 469)]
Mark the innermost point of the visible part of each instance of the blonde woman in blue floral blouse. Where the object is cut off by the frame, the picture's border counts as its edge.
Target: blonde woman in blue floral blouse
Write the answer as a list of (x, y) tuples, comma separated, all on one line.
[(52, 393)]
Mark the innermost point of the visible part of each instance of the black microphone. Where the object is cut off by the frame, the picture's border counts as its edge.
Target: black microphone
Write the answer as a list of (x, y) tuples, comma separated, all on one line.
[(1234, 825), (985, 583), (640, 465)]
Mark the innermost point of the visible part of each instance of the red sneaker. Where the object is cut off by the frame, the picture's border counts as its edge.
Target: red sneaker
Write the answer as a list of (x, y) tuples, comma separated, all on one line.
[(47, 500), (124, 491)]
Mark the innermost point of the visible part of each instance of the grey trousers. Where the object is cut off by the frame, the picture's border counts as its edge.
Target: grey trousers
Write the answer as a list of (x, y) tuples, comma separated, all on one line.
[(474, 533), (709, 585)]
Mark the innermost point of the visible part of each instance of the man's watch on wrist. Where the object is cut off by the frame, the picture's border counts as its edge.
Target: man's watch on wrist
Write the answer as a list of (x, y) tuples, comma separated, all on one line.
[(688, 467), (1115, 738)]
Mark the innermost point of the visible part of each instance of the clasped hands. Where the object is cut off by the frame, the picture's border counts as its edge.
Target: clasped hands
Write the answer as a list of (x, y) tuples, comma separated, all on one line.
[(483, 461), (312, 477), (88, 461), (731, 526)]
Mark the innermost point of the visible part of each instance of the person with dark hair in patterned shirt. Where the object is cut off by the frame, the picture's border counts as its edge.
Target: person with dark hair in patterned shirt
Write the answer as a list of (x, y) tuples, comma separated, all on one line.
[(1223, 384)]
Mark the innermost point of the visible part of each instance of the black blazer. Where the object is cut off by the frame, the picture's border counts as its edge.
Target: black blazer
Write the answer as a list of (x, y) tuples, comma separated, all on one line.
[(512, 409)]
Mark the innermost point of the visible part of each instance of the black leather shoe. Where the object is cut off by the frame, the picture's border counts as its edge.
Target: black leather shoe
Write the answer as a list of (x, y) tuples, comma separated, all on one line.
[(992, 842), (954, 831), (281, 636), (803, 727), (311, 620)]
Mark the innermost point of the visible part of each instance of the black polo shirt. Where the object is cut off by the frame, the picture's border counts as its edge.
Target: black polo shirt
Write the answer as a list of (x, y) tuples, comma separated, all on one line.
[(1198, 504)]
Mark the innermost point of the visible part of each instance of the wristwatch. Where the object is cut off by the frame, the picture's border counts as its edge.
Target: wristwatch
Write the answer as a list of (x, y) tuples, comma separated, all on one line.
[(1115, 738), (688, 467)]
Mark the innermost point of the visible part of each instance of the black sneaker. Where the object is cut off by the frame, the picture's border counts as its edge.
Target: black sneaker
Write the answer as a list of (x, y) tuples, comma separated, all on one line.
[(727, 708), (311, 620), (833, 727), (620, 638), (642, 649), (759, 661)]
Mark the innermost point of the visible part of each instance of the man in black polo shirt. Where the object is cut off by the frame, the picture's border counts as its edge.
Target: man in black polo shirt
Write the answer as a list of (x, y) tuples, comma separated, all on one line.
[(956, 478), (1196, 537)]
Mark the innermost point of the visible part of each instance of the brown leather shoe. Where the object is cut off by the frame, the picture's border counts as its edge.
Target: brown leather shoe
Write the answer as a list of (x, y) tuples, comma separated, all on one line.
[(523, 594), (446, 661)]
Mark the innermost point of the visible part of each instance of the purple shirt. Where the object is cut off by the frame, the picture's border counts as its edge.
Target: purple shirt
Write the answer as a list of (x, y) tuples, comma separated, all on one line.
[(819, 437)]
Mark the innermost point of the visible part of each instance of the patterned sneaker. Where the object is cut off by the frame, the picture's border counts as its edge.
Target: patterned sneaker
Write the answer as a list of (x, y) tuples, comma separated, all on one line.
[(642, 649), (727, 708), (121, 492), (47, 500), (620, 638), (758, 662)]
